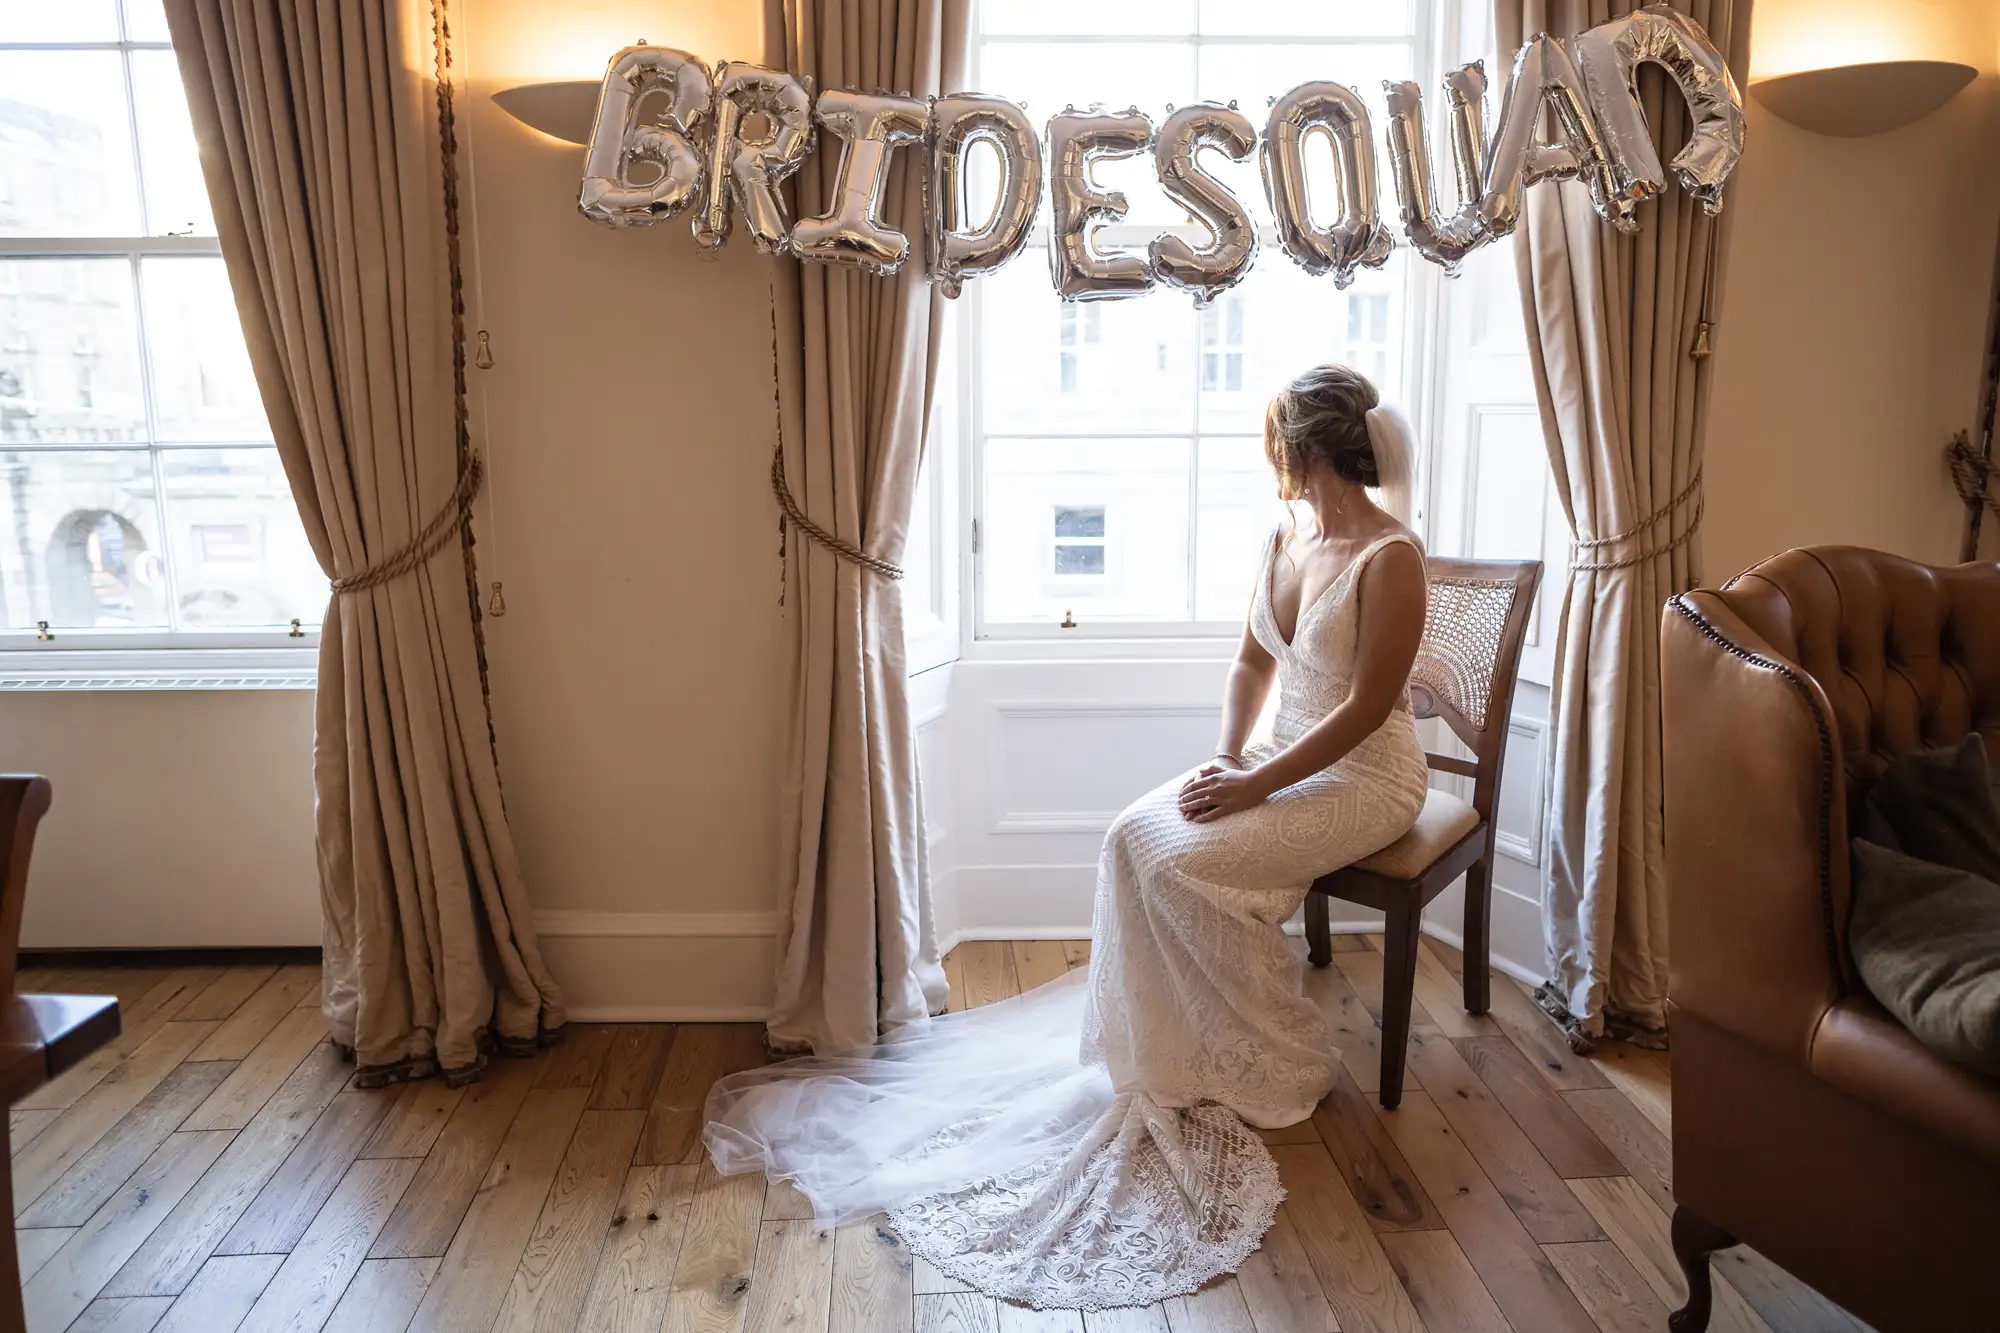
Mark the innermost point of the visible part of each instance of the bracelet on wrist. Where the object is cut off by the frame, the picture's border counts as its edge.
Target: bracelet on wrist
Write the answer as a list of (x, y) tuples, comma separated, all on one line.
[(1232, 758)]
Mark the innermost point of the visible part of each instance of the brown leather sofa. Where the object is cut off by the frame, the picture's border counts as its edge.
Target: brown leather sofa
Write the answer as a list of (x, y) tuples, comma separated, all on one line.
[(1807, 1121)]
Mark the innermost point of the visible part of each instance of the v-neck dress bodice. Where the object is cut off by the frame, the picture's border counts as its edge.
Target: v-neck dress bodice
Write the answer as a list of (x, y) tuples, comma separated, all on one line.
[(1122, 1169), (1316, 666)]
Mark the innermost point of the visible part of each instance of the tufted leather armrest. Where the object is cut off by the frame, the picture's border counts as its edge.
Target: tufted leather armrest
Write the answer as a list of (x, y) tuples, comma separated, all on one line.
[(1754, 792), (1794, 684)]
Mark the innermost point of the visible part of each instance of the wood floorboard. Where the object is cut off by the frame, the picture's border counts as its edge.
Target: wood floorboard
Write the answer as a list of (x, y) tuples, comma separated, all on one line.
[(214, 1170), (315, 1273)]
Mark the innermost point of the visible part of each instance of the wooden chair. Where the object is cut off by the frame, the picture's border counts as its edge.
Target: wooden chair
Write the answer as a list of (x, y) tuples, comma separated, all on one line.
[(40, 1035), (1464, 673)]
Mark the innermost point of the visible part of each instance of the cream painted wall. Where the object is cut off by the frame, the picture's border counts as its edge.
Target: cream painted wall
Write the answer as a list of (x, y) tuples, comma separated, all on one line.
[(182, 818), (1858, 289), (628, 422)]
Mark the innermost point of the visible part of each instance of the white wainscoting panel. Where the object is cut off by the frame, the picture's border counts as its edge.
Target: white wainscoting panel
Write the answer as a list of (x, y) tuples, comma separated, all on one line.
[(1071, 766)]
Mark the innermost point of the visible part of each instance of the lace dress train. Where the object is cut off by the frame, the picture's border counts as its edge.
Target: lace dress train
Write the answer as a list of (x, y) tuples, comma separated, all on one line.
[(1091, 1143)]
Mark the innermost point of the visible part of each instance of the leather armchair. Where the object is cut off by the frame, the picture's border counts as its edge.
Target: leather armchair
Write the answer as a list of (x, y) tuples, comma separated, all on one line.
[(1807, 1121)]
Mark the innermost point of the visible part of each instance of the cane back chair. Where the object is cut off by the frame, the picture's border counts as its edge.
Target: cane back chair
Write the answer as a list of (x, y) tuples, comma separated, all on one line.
[(1474, 626)]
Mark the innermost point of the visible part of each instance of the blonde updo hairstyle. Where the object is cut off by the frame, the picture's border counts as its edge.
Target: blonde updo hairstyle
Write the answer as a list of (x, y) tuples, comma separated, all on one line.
[(1324, 415)]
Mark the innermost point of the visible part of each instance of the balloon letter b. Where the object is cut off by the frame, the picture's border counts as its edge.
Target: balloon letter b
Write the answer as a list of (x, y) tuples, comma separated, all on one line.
[(962, 120), (851, 232), (618, 140), (751, 169)]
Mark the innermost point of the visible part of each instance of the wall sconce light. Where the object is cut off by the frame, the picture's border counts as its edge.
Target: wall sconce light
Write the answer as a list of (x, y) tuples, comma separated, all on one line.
[(562, 110), (1855, 100)]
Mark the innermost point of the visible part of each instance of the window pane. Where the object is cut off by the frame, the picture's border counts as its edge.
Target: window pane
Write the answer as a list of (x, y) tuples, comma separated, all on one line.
[(202, 385), (1092, 18), (1104, 366), (1137, 570), (69, 352), (240, 554), (146, 21), (1046, 77), (65, 145), (1306, 18), (1238, 508), (176, 198), (1072, 521), (1253, 73), (1292, 321), (80, 540), (58, 21)]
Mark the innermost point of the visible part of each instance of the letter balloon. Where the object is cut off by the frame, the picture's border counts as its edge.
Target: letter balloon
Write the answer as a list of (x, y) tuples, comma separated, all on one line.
[(1221, 264), (960, 121), (1543, 75), (1358, 240), (1609, 56), (851, 232), (618, 140), (1442, 241), (750, 169), (1076, 140)]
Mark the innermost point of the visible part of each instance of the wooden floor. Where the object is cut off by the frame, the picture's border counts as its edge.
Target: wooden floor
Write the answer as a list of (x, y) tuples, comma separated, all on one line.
[(215, 1171)]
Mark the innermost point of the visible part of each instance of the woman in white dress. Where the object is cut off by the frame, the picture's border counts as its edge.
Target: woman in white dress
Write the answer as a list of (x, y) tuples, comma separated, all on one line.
[(1089, 1144)]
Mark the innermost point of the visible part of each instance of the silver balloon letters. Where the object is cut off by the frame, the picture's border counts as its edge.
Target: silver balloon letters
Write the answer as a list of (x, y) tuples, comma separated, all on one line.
[(959, 122), (751, 168), (1610, 55), (1232, 248), (1076, 140), (1544, 75), (1443, 242), (618, 140), (871, 127), (1358, 239), (669, 135)]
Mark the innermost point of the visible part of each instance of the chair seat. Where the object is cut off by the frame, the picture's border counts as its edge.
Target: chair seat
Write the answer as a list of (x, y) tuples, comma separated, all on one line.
[(1441, 824)]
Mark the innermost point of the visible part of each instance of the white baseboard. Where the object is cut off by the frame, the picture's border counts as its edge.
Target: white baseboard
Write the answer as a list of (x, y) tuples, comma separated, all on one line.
[(717, 967), (662, 967)]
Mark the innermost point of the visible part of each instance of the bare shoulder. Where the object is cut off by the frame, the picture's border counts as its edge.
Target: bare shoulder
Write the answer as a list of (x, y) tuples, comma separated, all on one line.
[(1397, 567)]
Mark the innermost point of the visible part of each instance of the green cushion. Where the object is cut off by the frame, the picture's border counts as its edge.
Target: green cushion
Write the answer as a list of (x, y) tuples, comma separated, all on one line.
[(1925, 929)]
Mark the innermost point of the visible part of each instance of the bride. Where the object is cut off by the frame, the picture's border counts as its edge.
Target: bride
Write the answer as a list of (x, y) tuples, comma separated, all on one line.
[(1090, 1144)]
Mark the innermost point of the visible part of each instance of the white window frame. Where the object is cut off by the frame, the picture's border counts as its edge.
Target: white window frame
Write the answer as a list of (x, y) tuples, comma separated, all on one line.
[(167, 658), (1422, 300)]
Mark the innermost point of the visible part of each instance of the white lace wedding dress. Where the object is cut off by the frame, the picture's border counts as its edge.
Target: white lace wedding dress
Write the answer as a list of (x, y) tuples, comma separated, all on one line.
[(1086, 1145)]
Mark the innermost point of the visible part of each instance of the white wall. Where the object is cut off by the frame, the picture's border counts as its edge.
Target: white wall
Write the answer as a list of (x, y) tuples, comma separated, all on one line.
[(182, 818), (1855, 309), (628, 422)]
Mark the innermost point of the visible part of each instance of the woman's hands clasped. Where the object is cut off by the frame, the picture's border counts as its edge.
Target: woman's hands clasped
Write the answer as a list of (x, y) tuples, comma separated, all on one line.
[(1218, 789)]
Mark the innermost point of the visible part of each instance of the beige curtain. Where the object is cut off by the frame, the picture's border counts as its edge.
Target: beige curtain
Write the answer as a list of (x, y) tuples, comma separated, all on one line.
[(856, 357), (1616, 330), (319, 128)]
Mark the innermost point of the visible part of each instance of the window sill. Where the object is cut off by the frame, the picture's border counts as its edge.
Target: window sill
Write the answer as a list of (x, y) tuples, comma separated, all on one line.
[(293, 667)]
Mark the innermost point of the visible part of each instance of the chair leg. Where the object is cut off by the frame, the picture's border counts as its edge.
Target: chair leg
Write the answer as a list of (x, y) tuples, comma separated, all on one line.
[(1478, 960), (1399, 984), (1319, 930), (1695, 1239)]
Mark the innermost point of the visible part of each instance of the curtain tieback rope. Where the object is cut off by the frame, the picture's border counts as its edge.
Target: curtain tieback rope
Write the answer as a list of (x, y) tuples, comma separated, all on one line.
[(1971, 475), (1645, 525), (443, 525), (845, 549)]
